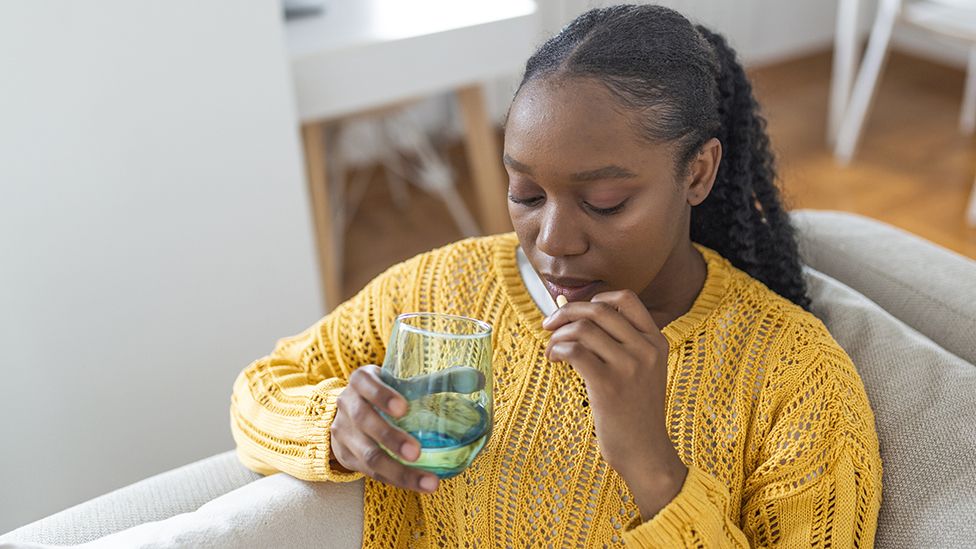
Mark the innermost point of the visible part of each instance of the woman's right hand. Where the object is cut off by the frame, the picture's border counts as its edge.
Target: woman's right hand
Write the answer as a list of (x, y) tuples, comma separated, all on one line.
[(358, 430)]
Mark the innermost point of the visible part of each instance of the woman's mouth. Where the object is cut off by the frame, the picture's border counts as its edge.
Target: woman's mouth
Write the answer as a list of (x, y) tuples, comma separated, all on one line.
[(573, 289)]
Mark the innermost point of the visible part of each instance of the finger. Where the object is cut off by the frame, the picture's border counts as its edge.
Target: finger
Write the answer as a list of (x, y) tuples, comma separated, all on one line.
[(376, 463), (340, 452), (375, 427), (588, 365), (604, 315), (367, 383), (595, 339), (630, 307), (343, 456), (357, 417)]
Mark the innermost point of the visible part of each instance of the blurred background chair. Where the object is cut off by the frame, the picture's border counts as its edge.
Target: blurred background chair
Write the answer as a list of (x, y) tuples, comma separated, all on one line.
[(850, 100)]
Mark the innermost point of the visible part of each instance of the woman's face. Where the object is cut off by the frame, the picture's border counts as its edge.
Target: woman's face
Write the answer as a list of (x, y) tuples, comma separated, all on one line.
[(595, 206)]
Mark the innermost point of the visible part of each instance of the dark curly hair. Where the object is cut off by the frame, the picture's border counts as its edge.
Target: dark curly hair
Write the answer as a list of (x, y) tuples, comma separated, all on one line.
[(686, 86)]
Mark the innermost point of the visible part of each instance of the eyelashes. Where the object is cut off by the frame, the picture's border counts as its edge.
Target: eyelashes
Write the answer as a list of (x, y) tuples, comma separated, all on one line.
[(531, 202), (607, 211), (524, 201)]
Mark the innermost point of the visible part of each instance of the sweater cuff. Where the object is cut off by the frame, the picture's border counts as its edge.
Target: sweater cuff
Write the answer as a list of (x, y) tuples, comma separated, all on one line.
[(691, 509), (324, 464)]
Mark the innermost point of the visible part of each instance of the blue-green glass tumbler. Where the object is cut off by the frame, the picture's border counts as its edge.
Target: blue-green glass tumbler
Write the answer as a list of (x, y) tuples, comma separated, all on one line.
[(442, 365)]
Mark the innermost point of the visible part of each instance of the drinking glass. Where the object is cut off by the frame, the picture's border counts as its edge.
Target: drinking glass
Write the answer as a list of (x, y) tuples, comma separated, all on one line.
[(441, 364)]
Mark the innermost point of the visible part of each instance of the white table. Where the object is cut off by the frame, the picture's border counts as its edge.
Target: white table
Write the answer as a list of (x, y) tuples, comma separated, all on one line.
[(362, 55)]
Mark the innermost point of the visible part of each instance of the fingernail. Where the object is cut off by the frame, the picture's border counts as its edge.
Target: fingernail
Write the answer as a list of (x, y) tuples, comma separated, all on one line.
[(428, 483), (396, 407), (409, 451)]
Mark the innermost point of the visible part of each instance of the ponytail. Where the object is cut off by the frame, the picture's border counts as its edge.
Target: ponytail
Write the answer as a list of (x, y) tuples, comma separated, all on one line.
[(743, 217)]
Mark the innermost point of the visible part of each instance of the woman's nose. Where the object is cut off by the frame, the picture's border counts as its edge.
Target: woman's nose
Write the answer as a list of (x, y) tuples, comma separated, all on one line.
[(559, 235)]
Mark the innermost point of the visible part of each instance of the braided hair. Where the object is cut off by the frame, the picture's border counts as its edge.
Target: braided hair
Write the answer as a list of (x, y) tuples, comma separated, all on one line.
[(686, 86)]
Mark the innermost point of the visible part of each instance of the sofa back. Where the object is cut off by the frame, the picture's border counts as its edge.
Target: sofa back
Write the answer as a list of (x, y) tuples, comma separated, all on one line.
[(925, 286), (905, 311)]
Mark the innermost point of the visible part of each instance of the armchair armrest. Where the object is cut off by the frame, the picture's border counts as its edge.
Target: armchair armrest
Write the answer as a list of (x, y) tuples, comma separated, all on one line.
[(156, 498)]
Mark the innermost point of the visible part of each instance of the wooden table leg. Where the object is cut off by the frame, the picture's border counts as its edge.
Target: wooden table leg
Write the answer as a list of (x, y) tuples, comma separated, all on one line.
[(330, 265), (485, 160)]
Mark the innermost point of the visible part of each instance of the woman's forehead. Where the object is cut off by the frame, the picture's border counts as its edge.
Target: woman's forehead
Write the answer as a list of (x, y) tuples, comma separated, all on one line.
[(579, 104), (577, 124)]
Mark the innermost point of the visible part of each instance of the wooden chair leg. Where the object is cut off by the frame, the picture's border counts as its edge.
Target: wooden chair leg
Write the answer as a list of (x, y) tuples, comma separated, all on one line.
[(485, 160), (971, 210), (845, 65), (330, 265), (867, 81)]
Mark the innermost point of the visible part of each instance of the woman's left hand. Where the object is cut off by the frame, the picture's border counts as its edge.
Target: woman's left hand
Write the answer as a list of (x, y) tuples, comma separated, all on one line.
[(622, 356)]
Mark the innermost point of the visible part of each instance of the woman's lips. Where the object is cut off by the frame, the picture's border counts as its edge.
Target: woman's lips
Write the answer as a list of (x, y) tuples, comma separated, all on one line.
[(573, 293)]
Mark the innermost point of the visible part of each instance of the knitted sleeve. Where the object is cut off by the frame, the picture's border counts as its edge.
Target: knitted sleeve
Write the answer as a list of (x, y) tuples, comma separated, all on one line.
[(283, 404), (815, 480)]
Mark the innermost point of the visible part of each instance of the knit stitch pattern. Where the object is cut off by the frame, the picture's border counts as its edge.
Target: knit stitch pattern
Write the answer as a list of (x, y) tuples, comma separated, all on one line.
[(763, 406)]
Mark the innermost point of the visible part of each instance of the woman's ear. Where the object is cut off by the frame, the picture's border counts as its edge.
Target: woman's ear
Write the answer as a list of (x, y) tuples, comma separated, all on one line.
[(702, 171)]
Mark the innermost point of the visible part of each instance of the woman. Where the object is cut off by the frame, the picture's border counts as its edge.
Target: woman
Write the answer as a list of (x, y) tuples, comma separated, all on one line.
[(683, 396)]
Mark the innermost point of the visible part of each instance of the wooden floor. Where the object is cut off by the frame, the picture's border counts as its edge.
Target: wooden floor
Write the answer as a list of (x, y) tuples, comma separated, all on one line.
[(913, 170)]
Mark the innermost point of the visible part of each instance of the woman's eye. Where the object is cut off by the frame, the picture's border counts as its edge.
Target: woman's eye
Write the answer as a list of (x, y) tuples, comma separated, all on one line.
[(525, 201), (606, 211), (599, 211)]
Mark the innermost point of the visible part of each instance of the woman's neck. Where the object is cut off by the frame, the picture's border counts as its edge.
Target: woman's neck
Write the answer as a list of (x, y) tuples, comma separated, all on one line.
[(677, 285)]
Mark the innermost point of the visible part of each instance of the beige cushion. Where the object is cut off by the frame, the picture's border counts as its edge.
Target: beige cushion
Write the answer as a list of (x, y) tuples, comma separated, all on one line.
[(924, 399), (275, 511), (156, 498), (927, 287)]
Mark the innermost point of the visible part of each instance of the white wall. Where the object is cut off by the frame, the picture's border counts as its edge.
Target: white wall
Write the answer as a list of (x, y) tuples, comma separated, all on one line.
[(154, 235)]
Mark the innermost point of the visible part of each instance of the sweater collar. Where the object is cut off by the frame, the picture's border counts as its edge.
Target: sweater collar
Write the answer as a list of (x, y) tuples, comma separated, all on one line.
[(528, 309)]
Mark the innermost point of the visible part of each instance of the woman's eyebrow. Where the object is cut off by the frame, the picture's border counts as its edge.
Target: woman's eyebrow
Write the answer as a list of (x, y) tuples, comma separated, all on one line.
[(516, 165), (606, 172)]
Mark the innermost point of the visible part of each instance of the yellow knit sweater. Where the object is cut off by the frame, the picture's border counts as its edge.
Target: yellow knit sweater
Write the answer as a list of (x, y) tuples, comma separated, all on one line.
[(763, 406)]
